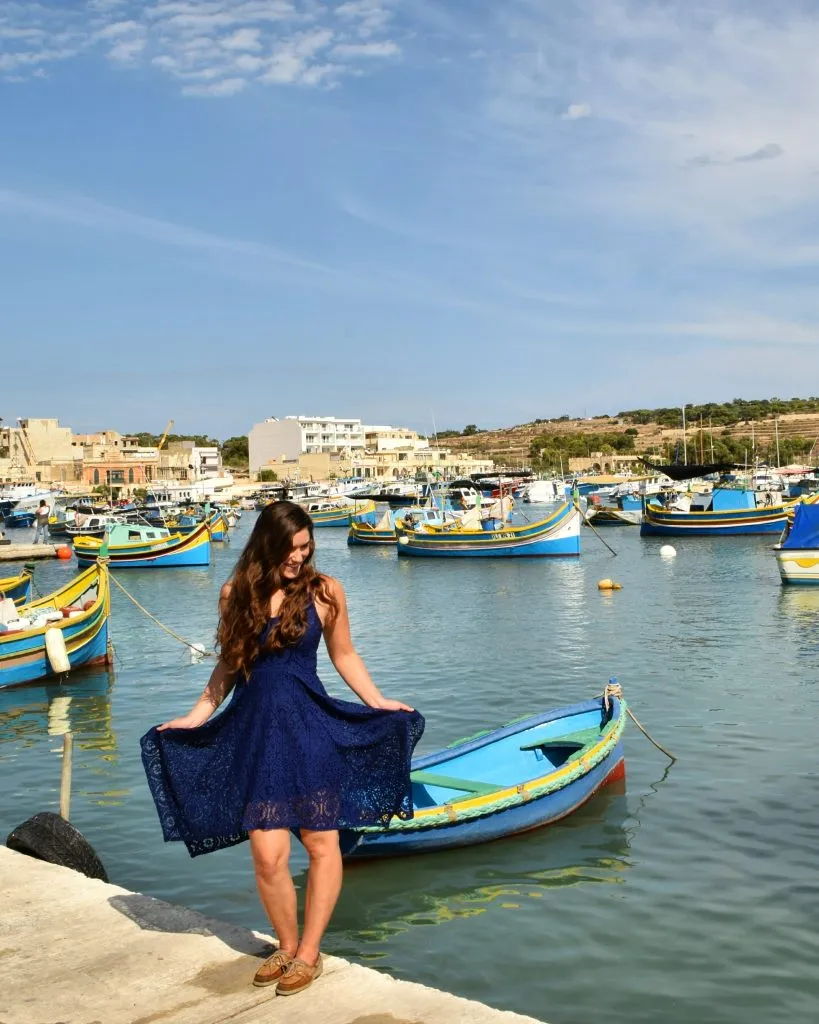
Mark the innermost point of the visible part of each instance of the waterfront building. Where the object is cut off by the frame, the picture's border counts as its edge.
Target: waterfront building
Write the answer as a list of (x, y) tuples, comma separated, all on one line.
[(292, 436), (38, 451)]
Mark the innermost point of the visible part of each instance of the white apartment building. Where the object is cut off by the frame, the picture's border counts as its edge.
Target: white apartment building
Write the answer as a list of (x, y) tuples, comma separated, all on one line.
[(287, 438)]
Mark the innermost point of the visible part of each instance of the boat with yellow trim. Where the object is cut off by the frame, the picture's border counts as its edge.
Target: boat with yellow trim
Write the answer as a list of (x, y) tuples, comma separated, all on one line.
[(722, 512), (63, 631), (797, 554), (524, 775), (336, 512), (471, 536), (18, 588), (137, 546)]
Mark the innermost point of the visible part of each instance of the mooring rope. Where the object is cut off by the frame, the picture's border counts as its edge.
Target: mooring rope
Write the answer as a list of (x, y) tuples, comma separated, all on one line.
[(153, 618), (614, 689)]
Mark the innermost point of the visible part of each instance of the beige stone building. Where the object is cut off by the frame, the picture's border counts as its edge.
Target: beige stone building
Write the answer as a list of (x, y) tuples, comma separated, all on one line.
[(599, 462), (39, 451)]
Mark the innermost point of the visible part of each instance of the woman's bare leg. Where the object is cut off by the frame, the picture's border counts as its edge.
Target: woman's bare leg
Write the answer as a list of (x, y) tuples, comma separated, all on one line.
[(271, 854), (323, 887)]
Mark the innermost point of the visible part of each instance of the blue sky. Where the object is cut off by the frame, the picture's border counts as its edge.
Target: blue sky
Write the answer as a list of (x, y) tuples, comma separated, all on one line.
[(485, 211)]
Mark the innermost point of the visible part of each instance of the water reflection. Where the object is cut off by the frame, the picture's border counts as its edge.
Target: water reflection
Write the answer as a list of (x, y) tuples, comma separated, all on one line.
[(384, 898), (81, 706), (800, 605)]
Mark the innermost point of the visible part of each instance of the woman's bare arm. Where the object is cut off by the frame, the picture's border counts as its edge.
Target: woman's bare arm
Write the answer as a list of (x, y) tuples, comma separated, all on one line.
[(219, 685), (345, 658)]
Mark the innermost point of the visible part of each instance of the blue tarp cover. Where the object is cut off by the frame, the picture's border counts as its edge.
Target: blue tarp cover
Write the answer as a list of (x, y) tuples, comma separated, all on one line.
[(805, 530)]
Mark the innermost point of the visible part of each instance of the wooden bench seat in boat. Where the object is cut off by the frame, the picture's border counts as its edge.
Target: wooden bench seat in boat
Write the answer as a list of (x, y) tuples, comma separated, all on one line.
[(573, 741), (451, 782)]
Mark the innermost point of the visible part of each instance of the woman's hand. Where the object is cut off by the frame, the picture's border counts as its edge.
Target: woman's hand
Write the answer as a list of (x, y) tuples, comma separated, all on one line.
[(189, 721), (386, 704)]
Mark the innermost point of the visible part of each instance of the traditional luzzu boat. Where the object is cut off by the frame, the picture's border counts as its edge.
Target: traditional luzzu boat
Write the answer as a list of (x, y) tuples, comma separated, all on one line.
[(624, 510), (723, 512), (369, 530), (557, 535), (332, 512), (17, 588), (58, 633), (797, 554), (136, 546), (520, 777)]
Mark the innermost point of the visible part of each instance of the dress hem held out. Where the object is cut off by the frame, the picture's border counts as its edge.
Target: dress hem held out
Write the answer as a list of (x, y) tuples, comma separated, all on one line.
[(282, 754)]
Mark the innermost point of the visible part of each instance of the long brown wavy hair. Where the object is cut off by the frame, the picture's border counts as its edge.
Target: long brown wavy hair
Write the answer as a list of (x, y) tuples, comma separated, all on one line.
[(245, 613)]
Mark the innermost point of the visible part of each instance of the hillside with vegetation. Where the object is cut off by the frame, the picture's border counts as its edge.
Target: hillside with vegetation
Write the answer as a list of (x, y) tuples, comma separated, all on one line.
[(234, 450), (738, 431)]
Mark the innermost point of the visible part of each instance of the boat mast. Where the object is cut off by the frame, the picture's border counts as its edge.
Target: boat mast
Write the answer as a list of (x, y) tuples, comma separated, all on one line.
[(776, 428), (685, 445)]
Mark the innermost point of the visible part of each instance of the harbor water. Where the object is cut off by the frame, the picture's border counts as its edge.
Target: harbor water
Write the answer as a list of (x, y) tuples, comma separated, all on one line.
[(690, 893)]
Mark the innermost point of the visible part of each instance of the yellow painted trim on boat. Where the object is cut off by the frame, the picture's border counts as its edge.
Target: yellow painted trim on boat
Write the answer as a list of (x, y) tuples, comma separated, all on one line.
[(526, 787)]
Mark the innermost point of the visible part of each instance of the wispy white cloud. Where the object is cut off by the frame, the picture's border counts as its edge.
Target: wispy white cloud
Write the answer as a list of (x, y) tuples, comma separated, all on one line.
[(676, 88), (384, 48), (369, 17), (224, 87), (204, 40), (243, 39), (88, 213), (576, 111)]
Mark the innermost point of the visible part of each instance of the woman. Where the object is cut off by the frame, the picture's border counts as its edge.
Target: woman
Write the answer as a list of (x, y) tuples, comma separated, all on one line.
[(283, 755)]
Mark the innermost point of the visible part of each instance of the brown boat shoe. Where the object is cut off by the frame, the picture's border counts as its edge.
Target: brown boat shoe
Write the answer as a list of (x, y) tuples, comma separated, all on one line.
[(298, 975), (272, 969)]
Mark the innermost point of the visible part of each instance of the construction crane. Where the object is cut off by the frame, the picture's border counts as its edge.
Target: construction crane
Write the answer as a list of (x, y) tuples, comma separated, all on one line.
[(164, 437)]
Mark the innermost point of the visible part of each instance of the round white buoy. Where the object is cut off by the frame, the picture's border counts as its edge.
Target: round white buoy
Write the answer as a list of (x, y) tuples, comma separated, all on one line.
[(667, 551), (403, 540)]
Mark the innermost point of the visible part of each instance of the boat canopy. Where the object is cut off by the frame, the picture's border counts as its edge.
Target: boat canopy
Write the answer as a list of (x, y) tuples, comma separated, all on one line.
[(692, 471), (805, 530), (728, 499)]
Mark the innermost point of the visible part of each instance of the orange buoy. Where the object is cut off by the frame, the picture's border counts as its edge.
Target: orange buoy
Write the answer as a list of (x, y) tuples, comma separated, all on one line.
[(606, 584), (63, 551)]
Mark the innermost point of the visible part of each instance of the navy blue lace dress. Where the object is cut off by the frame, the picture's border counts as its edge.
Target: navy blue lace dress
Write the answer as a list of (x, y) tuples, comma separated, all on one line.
[(282, 754)]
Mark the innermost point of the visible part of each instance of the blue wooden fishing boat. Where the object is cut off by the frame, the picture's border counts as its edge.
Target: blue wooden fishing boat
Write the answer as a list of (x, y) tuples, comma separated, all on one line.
[(725, 511), (522, 776), (557, 535), (18, 588), (187, 523), (331, 512), (368, 530), (622, 510), (797, 554), (137, 546), (58, 633)]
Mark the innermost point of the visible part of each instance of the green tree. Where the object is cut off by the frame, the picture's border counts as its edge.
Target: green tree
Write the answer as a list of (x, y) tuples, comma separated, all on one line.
[(267, 476), (469, 430), (235, 451)]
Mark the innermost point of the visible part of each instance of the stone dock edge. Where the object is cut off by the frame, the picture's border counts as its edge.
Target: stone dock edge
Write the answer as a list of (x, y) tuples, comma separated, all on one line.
[(80, 951)]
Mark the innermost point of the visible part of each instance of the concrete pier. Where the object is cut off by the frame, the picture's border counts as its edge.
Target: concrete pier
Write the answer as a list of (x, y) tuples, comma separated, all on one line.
[(79, 951), (24, 552)]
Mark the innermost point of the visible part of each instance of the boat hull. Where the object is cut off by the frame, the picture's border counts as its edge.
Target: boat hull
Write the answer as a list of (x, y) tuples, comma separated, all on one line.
[(341, 517), (370, 538), (557, 536), (660, 523), (177, 552), (23, 657), (614, 517), (606, 764), (798, 566), (18, 588)]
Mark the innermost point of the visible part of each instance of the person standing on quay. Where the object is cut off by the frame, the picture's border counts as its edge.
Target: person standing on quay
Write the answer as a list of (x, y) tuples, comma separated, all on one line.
[(283, 755), (41, 517)]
